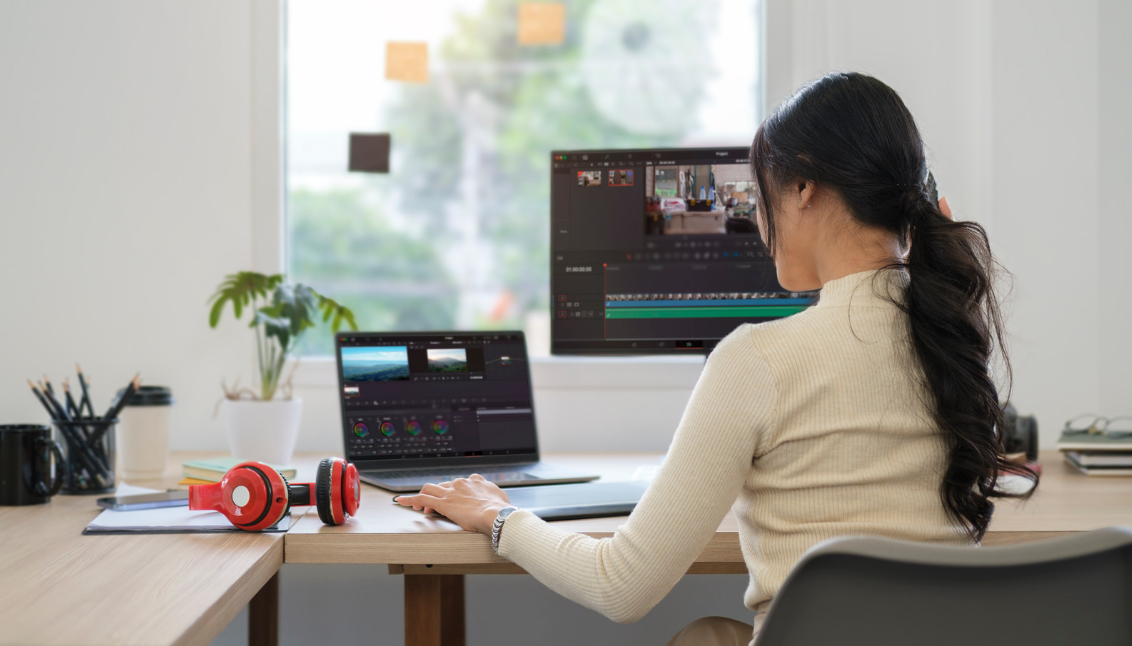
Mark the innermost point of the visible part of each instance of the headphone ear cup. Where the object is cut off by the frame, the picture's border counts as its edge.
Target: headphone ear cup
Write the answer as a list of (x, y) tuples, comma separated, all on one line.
[(322, 489), (287, 495), (273, 494)]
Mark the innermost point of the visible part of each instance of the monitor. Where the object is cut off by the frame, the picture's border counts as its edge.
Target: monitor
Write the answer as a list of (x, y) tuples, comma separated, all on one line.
[(657, 251)]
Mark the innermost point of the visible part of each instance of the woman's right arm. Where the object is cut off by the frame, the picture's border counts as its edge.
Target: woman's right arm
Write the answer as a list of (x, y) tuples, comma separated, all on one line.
[(623, 577)]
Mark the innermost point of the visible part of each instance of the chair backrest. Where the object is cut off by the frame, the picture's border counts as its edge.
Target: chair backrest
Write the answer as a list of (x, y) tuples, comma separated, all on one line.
[(875, 591)]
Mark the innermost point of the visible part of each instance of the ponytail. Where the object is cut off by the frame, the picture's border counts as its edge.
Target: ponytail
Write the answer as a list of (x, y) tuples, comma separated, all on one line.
[(853, 133), (956, 324)]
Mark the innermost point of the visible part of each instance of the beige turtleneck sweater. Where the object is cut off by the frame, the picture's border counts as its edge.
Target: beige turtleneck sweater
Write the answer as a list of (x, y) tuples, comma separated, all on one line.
[(808, 428)]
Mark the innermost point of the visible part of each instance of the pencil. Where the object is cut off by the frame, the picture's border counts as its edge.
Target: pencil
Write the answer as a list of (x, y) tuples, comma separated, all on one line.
[(116, 407), (68, 399), (74, 411), (42, 401), (80, 449), (85, 401), (47, 393), (123, 399)]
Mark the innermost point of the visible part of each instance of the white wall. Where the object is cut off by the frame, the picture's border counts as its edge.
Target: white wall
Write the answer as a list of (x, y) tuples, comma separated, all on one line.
[(125, 167), (1025, 116), (1115, 175), (129, 182)]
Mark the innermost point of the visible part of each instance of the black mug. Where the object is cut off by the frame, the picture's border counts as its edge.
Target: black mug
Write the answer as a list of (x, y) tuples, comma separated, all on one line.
[(25, 464)]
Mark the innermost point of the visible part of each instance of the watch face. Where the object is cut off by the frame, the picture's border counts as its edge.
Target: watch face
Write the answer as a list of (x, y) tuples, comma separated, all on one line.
[(507, 511)]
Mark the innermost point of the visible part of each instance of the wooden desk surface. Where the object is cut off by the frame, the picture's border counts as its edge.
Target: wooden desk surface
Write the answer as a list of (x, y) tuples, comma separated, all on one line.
[(386, 533), (60, 587)]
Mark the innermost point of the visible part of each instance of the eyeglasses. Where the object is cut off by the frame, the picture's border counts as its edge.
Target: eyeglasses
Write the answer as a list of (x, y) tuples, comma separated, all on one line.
[(1090, 424)]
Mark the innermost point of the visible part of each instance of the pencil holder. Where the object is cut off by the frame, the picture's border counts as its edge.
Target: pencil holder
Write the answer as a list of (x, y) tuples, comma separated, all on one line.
[(89, 446)]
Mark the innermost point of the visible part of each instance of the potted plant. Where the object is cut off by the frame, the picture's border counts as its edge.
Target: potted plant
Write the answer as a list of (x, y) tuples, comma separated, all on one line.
[(259, 425)]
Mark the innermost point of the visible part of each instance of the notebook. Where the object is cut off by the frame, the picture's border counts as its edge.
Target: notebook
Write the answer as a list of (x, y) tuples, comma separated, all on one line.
[(166, 520)]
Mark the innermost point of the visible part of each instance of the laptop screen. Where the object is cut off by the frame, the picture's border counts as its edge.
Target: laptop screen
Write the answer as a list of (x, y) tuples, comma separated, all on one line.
[(411, 396)]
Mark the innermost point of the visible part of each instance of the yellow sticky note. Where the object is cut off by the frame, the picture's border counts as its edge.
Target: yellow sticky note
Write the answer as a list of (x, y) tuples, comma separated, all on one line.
[(542, 23), (406, 62)]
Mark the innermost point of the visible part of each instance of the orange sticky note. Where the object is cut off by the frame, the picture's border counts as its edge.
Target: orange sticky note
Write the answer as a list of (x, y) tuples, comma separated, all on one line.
[(406, 62), (542, 23)]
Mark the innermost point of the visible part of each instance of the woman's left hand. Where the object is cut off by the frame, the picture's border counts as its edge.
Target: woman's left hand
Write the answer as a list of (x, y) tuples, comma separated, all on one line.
[(472, 503)]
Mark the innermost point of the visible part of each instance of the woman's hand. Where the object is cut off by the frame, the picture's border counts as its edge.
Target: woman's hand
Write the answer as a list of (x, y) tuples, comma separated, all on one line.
[(472, 503)]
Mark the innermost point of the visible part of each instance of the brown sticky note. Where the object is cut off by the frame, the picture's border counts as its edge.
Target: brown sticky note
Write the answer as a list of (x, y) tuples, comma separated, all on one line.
[(406, 62), (542, 23), (369, 152)]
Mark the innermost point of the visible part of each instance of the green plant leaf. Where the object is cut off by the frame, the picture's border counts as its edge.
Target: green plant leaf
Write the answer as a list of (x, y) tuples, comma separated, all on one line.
[(331, 308), (275, 325), (241, 289)]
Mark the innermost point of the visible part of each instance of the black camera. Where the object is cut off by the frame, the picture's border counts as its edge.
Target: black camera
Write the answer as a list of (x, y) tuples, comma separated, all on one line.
[(1020, 434)]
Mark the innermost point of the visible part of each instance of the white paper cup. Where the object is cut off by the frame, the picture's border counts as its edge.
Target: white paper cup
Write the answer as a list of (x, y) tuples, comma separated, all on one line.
[(143, 434)]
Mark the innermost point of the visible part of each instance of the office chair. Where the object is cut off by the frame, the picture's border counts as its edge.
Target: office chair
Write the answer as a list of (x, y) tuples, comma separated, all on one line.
[(881, 592)]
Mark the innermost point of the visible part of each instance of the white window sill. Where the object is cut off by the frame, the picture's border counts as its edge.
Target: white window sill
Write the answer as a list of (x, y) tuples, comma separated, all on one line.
[(559, 373)]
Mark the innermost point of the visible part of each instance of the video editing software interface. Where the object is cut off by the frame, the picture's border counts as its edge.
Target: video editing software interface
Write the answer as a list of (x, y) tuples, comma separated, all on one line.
[(657, 251), (444, 395)]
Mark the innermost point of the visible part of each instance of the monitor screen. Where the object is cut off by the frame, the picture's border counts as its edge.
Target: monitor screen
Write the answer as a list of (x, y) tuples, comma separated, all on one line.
[(435, 395), (657, 251)]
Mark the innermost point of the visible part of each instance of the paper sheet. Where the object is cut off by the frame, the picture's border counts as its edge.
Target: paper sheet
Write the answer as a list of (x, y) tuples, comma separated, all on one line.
[(542, 23), (166, 519), (406, 62)]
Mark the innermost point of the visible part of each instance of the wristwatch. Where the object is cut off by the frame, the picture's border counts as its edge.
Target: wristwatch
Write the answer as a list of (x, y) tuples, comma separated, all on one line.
[(497, 526)]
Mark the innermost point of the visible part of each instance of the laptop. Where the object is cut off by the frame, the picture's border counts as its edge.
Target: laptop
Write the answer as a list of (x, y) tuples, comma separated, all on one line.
[(421, 407)]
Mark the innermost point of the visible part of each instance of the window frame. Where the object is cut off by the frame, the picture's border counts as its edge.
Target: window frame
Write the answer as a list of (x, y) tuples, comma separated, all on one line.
[(269, 205)]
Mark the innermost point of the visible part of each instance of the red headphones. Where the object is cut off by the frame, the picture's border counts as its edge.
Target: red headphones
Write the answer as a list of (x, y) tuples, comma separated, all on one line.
[(254, 496)]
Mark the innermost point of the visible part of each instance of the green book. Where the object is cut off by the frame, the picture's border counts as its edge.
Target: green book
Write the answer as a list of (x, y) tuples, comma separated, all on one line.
[(1093, 442), (214, 469)]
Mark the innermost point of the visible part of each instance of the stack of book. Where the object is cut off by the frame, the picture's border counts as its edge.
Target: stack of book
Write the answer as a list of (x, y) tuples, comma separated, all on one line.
[(1097, 454), (212, 470)]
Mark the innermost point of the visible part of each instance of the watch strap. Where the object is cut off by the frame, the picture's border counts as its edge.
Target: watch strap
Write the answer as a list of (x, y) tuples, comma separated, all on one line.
[(497, 526)]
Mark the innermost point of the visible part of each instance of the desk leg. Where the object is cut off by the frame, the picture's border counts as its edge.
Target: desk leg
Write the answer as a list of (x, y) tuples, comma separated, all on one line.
[(434, 610), (263, 615)]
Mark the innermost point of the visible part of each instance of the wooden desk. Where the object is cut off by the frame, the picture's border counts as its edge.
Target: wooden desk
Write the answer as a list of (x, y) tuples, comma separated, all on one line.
[(435, 554), (65, 588), (60, 587)]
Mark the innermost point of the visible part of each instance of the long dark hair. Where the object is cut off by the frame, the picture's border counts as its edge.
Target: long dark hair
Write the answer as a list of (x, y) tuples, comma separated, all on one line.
[(853, 134)]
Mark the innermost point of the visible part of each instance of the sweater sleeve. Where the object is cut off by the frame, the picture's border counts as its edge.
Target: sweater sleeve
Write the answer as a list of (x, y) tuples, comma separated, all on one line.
[(624, 576)]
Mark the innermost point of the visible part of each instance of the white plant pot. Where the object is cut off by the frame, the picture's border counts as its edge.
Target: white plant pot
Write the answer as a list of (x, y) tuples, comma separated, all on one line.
[(263, 431)]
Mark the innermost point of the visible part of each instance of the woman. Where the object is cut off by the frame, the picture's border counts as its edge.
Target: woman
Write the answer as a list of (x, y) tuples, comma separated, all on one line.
[(873, 412)]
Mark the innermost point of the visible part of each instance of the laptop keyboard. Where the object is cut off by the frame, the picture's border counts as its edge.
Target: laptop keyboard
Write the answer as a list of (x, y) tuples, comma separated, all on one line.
[(442, 475)]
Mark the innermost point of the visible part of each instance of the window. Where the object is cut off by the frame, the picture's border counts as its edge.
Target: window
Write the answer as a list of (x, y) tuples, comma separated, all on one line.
[(456, 235)]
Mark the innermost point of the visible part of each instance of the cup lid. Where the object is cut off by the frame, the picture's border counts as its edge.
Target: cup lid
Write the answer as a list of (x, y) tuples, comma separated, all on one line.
[(150, 396)]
